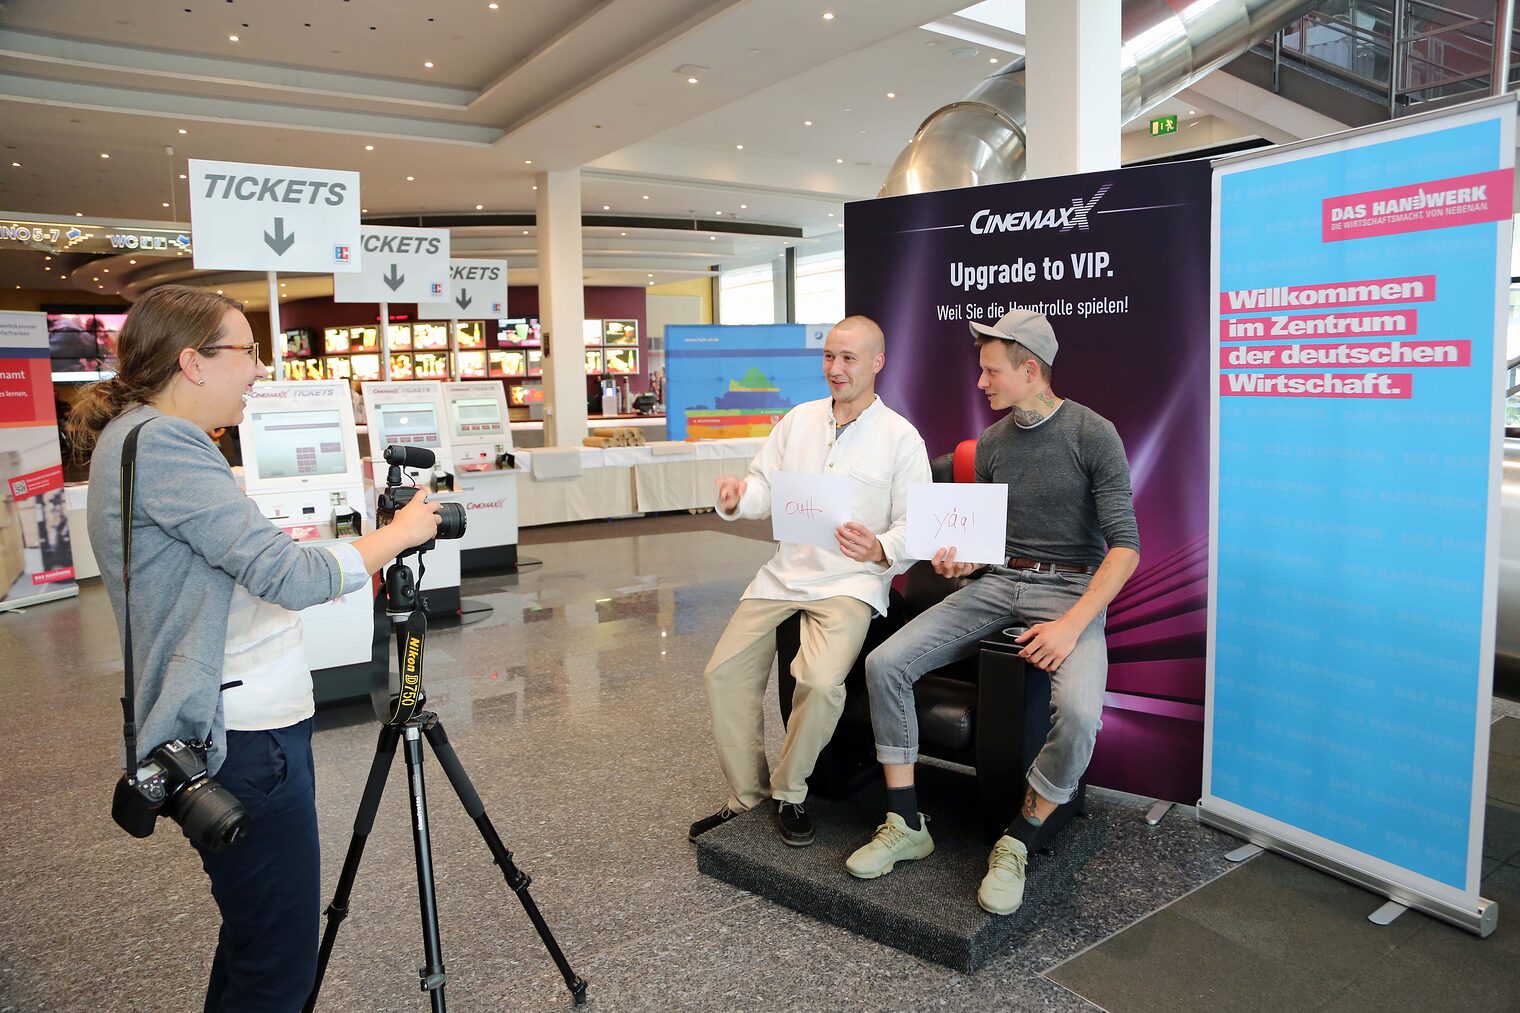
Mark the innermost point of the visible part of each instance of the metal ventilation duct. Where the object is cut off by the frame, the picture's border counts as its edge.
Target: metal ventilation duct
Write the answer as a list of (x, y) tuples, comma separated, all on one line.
[(1167, 46)]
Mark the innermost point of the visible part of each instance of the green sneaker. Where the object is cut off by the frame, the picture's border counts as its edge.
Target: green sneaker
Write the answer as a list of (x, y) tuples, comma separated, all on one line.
[(1002, 889), (893, 843)]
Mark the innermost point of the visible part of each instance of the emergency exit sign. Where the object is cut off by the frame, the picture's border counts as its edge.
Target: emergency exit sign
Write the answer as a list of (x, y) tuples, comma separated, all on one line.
[(1163, 125)]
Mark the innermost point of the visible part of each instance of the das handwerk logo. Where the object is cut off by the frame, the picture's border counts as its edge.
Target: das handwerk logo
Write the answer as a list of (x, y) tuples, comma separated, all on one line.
[(1073, 217)]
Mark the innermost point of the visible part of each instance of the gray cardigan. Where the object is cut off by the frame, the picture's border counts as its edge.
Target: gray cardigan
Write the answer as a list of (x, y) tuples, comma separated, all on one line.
[(194, 535)]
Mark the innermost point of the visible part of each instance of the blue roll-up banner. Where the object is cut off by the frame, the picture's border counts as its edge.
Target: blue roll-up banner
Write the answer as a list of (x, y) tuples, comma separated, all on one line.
[(1361, 292)]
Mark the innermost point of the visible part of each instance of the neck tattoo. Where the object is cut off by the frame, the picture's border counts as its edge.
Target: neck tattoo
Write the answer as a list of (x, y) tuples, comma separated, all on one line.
[(1027, 417)]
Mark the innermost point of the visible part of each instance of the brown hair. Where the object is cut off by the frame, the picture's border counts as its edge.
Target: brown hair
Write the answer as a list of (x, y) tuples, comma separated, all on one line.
[(1017, 354), (159, 326)]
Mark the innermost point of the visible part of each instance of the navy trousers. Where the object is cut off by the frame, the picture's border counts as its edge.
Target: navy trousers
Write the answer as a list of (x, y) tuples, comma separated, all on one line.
[(267, 885)]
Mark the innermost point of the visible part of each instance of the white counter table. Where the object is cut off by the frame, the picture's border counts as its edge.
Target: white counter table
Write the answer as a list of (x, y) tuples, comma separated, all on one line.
[(589, 483)]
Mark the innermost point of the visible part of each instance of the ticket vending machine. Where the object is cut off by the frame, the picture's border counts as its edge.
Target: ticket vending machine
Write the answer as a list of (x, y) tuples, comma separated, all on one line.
[(411, 414), (301, 465), (481, 442)]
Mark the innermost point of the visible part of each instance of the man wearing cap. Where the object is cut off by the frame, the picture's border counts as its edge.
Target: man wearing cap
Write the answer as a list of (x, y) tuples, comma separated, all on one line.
[(1071, 545)]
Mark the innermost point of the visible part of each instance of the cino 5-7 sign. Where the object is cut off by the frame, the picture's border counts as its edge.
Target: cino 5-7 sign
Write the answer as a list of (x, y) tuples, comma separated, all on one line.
[(246, 217)]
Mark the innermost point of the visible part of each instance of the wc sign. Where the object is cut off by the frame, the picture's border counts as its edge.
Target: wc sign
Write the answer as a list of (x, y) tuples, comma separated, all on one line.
[(477, 288), (248, 217)]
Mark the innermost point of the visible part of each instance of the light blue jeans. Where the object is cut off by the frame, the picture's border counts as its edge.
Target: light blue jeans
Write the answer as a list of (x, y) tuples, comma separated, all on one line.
[(951, 630)]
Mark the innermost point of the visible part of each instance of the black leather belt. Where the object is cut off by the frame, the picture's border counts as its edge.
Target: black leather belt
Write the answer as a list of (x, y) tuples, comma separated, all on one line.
[(1020, 563)]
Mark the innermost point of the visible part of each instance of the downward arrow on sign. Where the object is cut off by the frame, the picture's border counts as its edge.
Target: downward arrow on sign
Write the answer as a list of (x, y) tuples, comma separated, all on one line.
[(393, 279), (279, 242), (464, 299)]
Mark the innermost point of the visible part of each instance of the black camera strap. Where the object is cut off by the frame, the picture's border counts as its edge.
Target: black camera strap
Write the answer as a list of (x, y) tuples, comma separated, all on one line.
[(128, 477)]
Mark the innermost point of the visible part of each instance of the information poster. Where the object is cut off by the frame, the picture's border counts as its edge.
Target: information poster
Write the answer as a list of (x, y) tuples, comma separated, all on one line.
[(1361, 296), (36, 552)]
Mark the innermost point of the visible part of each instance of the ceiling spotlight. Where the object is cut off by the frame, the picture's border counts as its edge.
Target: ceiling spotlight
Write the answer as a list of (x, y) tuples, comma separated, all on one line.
[(992, 60), (891, 94), (183, 130), (428, 64), (230, 38), (183, 176), (131, 261), (606, 207), (218, 291), (369, 147), (807, 123), (364, 211), (622, 233), (527, 161), (838, 161), (47, 258), (525, 232), (17, 165), (104, 155), (828, 15), (744, 207), (480, 207), (831, 214), (1192, 112), (646, 196), (78, 214), (649, 276), (535, 186), (492, 6), (166, 204), (411, 179), (712, 237), (46, 268), (739, 146), (651, 283)]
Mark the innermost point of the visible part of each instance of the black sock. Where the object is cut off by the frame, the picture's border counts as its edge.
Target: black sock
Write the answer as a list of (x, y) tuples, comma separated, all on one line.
[(1023, 831), (904, 802)]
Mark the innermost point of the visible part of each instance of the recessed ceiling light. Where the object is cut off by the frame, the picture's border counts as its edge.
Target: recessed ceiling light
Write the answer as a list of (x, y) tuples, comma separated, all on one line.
[(1192, 112), (891, 94), (492, 6), (183, 176), (364, 211), (428, 64), (606, 207), (230, 38), (622, 233), (807, 123), (97, 277), (838, 161), (480, 207), (18, 165), (831, 214), (104, 155), (369, 147), (410, 179), (78, 214), (47, 258), (649, 276), (166, 204), (691, 80), (183, 130), (535, 186), (131, 261), (717, 212), (46, 268), (651, 283), (739, 146), (527, 161), (712, 237), (525, 232), (744, 207), (218, 291), (828, 15), (992, 60)]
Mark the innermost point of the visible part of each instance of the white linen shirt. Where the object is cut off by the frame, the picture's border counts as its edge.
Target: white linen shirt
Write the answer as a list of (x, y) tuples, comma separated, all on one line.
[(882, 454)]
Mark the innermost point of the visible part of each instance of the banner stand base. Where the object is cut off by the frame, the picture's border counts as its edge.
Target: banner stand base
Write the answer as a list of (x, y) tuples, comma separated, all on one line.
[(36, 599), (1480, 922), (1157, 812), (1387, 914)]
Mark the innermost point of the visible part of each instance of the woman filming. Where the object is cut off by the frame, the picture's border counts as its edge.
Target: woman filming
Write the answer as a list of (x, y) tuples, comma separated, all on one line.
[(216, 639)]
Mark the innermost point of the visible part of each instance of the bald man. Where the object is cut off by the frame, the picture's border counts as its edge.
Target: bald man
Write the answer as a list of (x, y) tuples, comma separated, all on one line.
[(850, 433)]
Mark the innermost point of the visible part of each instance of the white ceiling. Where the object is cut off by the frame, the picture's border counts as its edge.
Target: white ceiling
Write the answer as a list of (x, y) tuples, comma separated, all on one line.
[(590, 83)]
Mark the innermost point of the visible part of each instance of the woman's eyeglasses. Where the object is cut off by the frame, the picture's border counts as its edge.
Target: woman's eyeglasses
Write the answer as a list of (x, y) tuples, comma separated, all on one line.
[(252, 351)]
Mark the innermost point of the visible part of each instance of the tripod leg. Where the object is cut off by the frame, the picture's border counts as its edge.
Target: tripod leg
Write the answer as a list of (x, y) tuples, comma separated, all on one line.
[(432, 974), (516, 878), (364, 822)]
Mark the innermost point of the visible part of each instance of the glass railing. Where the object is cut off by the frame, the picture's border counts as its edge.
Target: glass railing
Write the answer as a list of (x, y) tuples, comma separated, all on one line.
[(1408, 53)]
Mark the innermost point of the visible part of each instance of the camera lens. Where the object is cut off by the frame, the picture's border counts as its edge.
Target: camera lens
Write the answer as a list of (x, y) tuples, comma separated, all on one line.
[(451, 520), (209, 814)]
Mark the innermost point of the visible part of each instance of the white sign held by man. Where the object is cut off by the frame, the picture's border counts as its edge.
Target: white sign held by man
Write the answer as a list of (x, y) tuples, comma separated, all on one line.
[(805, 509), (400, 265), (971, 517), (477, 288), (247, 217)]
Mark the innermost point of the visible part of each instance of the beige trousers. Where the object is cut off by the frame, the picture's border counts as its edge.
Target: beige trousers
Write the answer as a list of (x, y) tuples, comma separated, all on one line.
[(832, 631)]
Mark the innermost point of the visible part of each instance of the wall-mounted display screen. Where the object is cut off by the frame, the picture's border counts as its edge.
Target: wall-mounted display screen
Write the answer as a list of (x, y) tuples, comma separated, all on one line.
[(509, 362), (401, 367), (298, 444), (472, 365), (593, 332), (472, 334), (525, 394), (304, 369), (430, 366), (366, 338), (622, 332), (519, 331), (415, 425), (298, 343), (365, 367), (83, 342), (593, 361), (335, 340), (622, 360), (430, 336), (535, 362), (400, 335), (339, 367), (476, 417)]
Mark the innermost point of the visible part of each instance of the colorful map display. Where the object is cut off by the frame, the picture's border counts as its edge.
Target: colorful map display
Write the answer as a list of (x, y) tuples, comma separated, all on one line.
[(736, 381)]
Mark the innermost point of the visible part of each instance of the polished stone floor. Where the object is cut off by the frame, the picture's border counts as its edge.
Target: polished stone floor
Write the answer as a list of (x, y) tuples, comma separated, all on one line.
[(577, 708)]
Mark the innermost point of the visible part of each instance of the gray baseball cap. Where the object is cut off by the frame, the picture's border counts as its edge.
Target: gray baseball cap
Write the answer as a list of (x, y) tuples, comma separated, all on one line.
[(1028, 328)]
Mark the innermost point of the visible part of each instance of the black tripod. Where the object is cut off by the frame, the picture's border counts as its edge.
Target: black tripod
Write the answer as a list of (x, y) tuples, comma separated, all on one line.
[(407, 722)]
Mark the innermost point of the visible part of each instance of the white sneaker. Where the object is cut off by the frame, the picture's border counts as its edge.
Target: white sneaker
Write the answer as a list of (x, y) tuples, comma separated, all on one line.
[(1002, 889), (892, 843)]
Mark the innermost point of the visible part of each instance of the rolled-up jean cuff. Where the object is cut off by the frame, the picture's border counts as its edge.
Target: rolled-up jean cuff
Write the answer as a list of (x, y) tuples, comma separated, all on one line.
[(1043, 787), (896, 754)]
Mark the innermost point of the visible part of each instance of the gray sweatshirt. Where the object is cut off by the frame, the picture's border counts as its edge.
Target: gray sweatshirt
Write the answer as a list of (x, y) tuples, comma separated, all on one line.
[(1068, 485), (194, 535)]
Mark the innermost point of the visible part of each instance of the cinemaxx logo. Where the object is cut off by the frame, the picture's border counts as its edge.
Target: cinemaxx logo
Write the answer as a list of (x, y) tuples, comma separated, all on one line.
[(1073, 217)]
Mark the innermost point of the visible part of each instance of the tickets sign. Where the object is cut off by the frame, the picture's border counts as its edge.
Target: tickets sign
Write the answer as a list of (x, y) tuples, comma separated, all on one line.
[(247, 217), (400, 265), (477, 288)]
